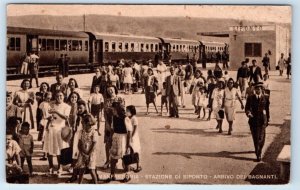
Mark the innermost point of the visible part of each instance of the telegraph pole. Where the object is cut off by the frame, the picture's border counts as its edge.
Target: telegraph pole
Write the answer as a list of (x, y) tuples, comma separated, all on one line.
[(84, 22)]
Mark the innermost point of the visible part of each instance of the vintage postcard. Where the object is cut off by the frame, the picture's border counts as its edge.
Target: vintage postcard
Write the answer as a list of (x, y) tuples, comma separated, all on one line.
[(148, 94)]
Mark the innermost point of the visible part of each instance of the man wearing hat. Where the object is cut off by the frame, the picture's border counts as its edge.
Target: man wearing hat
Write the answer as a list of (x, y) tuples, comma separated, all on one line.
[(173, 90), (256, 110)]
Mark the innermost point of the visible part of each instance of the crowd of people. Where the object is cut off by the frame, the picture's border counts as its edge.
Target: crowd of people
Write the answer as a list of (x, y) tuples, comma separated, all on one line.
[(69, 126)]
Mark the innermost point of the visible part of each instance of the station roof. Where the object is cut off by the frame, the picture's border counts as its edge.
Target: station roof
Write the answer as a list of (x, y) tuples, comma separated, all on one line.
[(215, 34)]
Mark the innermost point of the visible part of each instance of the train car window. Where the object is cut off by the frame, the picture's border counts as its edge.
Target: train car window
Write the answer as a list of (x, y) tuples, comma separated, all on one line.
[(151, 47), (12, 42), (50, 44), (156, 47), (86, 45), (120, 47), (18, 44), (180, 48), (183, 48), (113, 46), (43, 44), (142, 47), (63, 45), (75, 45), (132, 47), (80, 45), (106, 46), (147, 47), (56, 45), (174, 48), (126, 47), (177, 48), (69, 45)]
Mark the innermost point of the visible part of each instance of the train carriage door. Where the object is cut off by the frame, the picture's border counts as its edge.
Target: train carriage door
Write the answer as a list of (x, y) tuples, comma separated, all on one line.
[(100, 51), (166, 50), (32, 43)]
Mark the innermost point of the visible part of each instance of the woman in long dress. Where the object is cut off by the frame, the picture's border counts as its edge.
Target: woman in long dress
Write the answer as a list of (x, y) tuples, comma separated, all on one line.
[(218, 103), (151, 85), (231, 94), (121, 128), (53, 145), (24, 99)]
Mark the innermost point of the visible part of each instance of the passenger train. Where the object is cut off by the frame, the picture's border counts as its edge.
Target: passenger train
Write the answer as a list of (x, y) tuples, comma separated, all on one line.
[(94, 49)]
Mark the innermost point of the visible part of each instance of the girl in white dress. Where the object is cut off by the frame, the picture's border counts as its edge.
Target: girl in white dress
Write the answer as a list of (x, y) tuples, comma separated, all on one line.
[(128, 80), (135, 139), (202, 101)]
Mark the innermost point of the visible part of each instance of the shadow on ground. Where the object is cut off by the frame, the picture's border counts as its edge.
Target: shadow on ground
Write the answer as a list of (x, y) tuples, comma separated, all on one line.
[(270, 166)]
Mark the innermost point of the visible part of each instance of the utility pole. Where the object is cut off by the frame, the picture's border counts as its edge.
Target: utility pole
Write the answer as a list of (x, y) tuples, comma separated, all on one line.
[(84, 22)]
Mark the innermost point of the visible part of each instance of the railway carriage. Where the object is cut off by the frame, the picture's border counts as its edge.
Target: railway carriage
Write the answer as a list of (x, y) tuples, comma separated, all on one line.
[(113, 47), (180, 49), (87, 50), (48, 44), (210, 49)]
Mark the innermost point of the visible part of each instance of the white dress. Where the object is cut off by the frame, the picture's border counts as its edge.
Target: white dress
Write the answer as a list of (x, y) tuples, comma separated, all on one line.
[(217, 97), (202, 100), (135, 143), (195, 89), (53, 141), (161, 74), (230, 102), (127, 71)]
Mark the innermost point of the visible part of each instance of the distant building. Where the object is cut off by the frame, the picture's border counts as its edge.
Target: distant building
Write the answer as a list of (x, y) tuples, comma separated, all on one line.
[(254, 41)]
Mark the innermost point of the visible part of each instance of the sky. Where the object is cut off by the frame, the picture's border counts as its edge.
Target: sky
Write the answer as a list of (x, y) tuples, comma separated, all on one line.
[(255, 13)]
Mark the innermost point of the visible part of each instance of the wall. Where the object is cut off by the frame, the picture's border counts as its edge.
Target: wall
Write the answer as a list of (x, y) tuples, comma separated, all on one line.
[(283, 41), (238, 39)]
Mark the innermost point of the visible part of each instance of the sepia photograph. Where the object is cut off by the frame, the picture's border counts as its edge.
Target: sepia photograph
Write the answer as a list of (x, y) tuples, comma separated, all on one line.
[(148, 94)]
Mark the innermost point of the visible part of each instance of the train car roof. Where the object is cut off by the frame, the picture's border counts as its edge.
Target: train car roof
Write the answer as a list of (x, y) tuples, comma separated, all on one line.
[(124, 37), (212, 43), (45, 32), (180, 40)]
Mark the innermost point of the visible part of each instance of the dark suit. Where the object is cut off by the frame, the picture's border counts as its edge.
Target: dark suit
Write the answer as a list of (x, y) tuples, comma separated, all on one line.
[(173, 90), (258, 123), (255, 75), (54, 88)]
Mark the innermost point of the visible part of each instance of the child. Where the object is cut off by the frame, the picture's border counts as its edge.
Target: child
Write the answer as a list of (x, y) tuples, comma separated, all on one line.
[(12, 111), (201, 96), (135, 139), (26, 145), (45, 106), (14, 173), (96, 100), (249, 90), (164, 98), (86, 147), (210, 88)]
